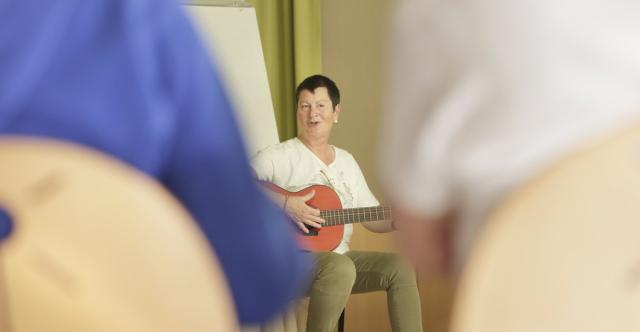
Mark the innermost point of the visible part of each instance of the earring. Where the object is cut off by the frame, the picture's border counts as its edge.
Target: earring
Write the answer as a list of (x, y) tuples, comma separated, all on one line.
[(335, 121)]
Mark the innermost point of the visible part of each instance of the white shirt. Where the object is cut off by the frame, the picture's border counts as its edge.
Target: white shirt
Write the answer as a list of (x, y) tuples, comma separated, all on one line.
[(486, 93), (293, 167)]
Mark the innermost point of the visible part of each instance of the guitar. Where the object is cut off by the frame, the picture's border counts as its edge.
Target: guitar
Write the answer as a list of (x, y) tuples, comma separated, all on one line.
[(329, 236), (70, 252)]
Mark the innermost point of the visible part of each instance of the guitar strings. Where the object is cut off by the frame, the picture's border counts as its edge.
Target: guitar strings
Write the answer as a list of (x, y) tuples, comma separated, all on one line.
[(353, 215)]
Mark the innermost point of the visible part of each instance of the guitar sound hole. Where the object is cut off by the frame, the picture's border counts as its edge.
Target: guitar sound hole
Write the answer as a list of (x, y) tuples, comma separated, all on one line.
[(312, 232)]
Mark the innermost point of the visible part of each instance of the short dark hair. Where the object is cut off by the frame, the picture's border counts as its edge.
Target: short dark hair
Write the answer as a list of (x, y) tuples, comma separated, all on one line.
[(311, 83)]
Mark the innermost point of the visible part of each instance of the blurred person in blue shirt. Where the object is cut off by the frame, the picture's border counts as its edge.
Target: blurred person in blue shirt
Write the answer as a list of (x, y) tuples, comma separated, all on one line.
[(131, 79)]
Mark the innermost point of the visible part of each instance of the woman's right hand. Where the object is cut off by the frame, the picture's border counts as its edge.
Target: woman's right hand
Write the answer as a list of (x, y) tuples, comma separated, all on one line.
[(303, 215)]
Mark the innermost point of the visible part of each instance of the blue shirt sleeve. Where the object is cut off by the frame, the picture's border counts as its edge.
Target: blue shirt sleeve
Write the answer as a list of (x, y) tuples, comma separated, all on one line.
[(207, 169), (131, 78)]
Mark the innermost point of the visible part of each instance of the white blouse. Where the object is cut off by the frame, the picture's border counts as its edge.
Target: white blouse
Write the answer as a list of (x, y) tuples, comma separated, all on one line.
[(293, 167)]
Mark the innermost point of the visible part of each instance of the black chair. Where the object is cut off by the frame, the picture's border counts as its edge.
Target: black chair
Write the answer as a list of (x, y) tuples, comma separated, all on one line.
[(341, 322)]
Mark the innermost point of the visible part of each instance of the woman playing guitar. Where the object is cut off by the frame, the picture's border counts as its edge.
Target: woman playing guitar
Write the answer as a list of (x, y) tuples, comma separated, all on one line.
[(309, 160)]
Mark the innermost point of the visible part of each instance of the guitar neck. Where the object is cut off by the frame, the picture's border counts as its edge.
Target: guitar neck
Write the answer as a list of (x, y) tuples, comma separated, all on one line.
[(355, 215)]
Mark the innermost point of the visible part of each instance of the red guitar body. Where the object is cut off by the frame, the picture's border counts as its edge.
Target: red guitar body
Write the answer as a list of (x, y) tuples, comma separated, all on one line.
[(326, 238)]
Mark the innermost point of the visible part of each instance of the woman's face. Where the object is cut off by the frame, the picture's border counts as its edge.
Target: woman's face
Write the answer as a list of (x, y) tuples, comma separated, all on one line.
[(316, 114)]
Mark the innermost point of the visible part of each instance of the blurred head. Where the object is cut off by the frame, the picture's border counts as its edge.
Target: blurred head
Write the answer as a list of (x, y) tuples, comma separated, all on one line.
[(318, 108)]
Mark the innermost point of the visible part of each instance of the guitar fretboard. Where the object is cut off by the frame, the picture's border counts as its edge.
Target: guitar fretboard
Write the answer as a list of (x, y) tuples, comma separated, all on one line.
[(355, 215)]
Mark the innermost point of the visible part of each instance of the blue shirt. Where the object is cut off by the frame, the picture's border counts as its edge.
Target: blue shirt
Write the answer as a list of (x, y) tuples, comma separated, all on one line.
[(130, 78)]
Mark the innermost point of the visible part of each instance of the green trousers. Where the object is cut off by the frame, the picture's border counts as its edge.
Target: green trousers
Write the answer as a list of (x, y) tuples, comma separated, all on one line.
[(337, 276)]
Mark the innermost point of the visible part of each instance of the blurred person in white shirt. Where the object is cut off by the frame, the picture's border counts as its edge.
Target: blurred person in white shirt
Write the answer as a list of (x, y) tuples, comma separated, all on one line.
[(486, 94)]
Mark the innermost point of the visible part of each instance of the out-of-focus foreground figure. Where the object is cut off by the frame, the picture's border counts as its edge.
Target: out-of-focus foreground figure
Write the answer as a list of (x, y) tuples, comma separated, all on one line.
[(484, 95), (130, 79)]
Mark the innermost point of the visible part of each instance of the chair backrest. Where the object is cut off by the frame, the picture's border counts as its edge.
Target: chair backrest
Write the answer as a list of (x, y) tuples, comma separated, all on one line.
[(562, 253), (97, 246)]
